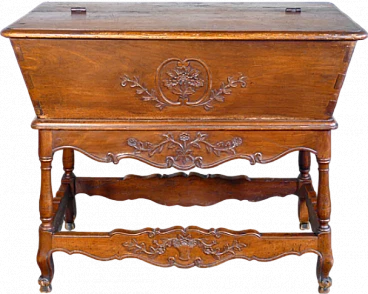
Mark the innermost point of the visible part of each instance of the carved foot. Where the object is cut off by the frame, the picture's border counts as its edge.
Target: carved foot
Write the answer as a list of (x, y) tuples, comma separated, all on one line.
[(45, 285), (324, 285), (45, 261), (324, 269), (70, 226)]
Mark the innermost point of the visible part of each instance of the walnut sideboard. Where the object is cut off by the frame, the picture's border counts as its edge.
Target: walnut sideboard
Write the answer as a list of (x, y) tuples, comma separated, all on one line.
[(184, 85)]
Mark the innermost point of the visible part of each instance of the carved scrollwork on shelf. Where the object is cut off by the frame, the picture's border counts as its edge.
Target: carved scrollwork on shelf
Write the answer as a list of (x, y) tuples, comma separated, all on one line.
[(183, 82), (184, 147), (187, 247), (184, 245)]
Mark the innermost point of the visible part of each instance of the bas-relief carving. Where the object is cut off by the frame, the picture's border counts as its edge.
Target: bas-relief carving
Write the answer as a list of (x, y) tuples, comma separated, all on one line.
[(183, 82)]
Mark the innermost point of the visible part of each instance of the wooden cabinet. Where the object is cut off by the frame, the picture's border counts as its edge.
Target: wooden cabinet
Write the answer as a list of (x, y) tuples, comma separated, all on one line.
[(185, 85)]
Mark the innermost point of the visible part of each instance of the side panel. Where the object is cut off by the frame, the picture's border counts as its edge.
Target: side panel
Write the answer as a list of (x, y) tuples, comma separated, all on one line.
[(150, 79)]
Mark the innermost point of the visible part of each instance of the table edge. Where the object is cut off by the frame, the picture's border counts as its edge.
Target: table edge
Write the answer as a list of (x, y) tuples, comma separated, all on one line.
[(179, 35)]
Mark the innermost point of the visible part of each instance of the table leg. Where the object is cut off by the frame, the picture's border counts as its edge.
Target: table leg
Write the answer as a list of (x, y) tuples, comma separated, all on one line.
[(69, 178), (325, 261), (304, 166), (44, 256)]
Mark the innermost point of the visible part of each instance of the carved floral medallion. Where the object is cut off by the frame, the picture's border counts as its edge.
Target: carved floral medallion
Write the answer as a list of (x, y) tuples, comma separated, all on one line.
[(183, 82)]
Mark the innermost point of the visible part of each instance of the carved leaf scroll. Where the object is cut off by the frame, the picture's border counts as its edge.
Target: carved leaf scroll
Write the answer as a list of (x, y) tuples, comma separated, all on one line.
[(184, 147), (184, 245)]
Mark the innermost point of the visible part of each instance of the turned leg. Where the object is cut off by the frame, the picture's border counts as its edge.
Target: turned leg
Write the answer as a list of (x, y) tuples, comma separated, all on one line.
[(44, 256), (325, 261), (69, 178), (304, 166)]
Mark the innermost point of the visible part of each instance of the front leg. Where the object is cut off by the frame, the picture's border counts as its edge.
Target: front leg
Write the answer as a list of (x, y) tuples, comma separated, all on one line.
[(45, 261), (325, 261), (44, 255)]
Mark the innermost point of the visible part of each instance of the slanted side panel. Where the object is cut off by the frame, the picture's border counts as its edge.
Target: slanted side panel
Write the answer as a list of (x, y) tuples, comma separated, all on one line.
[(128, 79)]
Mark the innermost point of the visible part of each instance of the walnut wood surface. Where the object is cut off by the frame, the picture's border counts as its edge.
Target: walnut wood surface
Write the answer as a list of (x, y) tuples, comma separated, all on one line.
[(190, 125), (185, 150), (223, 80), (186, 190), (44, 258), (185, 85), (187, 247), (187, 21)]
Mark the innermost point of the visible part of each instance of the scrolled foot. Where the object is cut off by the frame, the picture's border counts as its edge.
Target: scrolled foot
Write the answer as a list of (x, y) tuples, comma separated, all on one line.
[(324, 285), (45, 285)]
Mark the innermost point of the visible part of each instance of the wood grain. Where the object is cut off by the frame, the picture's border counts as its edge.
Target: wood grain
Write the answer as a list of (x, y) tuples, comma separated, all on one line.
[(185, 247), (256, 147), (285, 80), (255, 21), (47, 215), (190, 125), (185, 85)]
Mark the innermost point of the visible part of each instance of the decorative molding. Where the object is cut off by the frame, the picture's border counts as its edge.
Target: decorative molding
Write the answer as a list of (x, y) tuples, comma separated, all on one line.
[(184, 82), (190, 125), (184, 147)]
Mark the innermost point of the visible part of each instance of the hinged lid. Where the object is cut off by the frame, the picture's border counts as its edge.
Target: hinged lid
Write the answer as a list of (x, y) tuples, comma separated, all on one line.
[(237, 21)]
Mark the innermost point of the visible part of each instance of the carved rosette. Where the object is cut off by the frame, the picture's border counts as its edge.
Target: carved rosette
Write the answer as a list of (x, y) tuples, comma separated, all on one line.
[(184, 82)]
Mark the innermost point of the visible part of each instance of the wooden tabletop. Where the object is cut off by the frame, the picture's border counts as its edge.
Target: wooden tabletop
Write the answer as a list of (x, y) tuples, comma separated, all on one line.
[(242, 21)]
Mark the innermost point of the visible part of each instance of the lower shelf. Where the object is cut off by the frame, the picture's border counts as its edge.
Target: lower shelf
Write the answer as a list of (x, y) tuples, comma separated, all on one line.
[(185, 247)]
